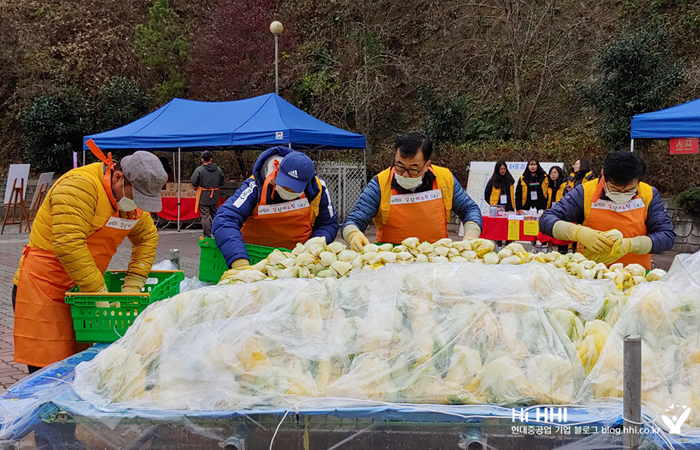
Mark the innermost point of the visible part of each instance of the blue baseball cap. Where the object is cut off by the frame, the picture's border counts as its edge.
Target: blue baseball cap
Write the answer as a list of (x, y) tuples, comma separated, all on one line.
[(295, 172)]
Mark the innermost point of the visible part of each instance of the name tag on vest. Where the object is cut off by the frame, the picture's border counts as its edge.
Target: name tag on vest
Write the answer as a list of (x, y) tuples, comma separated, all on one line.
[(121, 224), (419, 197), (633, 204), (283, 207)]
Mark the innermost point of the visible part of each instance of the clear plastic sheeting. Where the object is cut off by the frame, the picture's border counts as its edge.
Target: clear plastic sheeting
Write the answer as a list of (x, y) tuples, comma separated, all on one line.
[(425, 333), (666, 315), (188, 284)]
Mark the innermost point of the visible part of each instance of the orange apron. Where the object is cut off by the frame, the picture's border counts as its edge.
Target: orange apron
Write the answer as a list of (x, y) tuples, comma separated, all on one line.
[(279, 225), (43, 330), (199, 195), (629, 218), (420, 215)]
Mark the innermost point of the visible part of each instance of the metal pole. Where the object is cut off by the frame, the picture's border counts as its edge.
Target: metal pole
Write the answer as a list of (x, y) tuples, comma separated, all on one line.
[(175, 257), (277, 74), (632, 146), (83, 156), (179, 175), (632, 392)]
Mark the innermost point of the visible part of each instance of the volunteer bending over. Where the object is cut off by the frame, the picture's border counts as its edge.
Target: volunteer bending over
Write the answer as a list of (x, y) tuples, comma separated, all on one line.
[(282, 204), (86, 215), (618, 200), (412, 198)]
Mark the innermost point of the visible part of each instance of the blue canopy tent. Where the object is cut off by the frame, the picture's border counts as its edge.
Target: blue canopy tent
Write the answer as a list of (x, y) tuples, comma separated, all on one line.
[(675, 122), (254, 123)]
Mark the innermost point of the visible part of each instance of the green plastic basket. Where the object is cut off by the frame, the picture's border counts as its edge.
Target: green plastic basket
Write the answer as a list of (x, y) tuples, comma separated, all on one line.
[(93, 323), (212, 263)]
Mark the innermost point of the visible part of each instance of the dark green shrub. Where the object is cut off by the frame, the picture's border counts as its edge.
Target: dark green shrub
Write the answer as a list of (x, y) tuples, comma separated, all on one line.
[(120, 102), (638, 72), (52, 128), (689, 201)]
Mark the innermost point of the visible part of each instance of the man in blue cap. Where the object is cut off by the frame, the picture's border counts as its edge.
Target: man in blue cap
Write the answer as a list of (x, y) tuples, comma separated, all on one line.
[(282, 204)]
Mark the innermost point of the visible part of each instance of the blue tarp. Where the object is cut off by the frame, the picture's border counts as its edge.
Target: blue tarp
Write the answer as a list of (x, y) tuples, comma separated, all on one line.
[(49, 391), (675, 122), (251, 123)]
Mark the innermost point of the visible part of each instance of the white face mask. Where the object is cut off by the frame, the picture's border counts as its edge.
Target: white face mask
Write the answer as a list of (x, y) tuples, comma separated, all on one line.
[(409, 183), (125, 204), (619, 197), (286, 195)]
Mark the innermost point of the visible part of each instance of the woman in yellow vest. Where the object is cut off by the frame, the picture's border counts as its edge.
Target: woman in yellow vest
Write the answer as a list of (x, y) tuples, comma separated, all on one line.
[(412, 198), (557, 185), (582, 173), (533, 187), (618, 200), (500, 190)]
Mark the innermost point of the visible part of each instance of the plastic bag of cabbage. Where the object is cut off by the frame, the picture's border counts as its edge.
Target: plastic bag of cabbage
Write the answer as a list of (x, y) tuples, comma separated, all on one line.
[(420, 333), (666, 315)]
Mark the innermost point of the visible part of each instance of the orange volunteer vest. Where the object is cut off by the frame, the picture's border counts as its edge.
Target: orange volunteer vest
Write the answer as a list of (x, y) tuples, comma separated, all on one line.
[(423, 215), (630, 218), (282, 224), (43, 330)]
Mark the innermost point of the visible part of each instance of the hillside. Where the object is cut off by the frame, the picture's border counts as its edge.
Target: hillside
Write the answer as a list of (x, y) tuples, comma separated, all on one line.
[(488, 79)]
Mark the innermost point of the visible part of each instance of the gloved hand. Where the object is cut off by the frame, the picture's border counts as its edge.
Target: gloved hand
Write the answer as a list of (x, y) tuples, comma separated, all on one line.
[(471, 231), (355, 238), (588, 237), (133, 284), (640, 245), (240, 264)]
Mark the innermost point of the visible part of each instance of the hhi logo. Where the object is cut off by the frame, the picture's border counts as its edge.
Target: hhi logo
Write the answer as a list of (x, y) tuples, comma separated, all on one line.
[(559, 415), (675, 423)]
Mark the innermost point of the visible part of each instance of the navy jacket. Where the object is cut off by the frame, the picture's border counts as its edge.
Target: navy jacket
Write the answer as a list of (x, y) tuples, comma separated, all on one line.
[(570, 209), (367, 205), (230, 218)]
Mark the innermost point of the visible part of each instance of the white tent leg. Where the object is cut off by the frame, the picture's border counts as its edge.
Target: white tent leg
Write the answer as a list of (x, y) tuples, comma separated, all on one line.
[(632, 146), (179, 174)]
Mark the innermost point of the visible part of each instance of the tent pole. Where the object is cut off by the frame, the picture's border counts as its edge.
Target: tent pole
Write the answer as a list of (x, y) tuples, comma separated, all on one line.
[(179, 175), (83, 156), (632, 146), (290, 145)]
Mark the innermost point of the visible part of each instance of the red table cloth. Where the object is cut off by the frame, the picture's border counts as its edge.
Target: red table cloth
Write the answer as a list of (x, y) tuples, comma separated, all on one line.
[(169, 211), (496, 229)]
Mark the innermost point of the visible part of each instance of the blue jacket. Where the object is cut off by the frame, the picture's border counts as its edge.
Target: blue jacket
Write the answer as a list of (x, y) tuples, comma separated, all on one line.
[(570, 209), (231, 216), (367, 205)]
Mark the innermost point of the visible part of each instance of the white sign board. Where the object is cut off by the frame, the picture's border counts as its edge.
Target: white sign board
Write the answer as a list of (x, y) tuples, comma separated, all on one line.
[(480, 173), (17, 172), (43, 183)]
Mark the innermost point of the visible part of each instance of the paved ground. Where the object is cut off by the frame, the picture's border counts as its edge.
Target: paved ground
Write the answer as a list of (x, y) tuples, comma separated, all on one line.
[(11, 244)]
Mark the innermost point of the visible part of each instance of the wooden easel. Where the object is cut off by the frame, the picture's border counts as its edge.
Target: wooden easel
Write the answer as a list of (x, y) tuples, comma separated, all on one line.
[(16, 199), (39, 197)]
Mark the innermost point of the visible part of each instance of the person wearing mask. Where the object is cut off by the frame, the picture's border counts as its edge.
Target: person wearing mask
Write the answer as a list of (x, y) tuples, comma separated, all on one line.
[(582, 173), (618, 200), (207, 178), (87, 214), (557, 185), (412, 198), (283, 203), (533, 187), (500, 190)]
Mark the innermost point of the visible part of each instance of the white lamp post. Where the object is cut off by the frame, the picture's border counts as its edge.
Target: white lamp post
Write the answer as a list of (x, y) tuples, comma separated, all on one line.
[(276, 28)]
